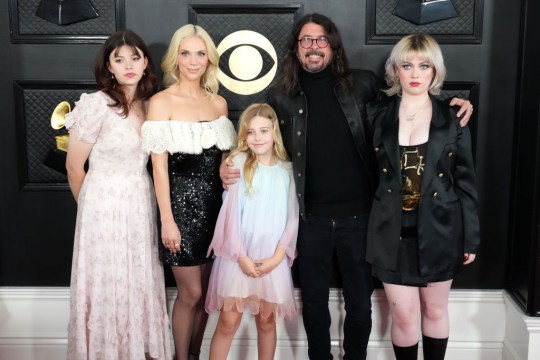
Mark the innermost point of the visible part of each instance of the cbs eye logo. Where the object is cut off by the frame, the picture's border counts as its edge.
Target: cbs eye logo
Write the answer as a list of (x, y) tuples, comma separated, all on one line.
[(248, 62)]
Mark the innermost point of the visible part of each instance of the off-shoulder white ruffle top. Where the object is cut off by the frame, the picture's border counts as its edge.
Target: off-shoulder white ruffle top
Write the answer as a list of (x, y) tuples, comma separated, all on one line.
[(189, 137)]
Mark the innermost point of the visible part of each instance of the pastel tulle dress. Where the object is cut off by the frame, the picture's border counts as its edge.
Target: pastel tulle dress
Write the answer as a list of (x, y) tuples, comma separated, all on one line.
[(118, 302), (195, 153), (253, 225)]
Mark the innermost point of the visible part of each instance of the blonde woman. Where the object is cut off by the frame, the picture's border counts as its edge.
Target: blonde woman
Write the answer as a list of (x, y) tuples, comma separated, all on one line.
[(423, 225), (255, 237), (187, 135)]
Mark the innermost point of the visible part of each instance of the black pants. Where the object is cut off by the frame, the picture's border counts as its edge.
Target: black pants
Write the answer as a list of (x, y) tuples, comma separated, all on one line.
[(319, 238)]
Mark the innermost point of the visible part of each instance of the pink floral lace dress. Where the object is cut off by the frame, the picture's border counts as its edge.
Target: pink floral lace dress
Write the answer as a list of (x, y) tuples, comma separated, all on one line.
[(118, 302)]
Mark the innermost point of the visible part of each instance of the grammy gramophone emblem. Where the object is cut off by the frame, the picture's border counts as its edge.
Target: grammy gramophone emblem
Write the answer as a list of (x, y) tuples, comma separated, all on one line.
[(65, 12), (421, 12), (56, 158)]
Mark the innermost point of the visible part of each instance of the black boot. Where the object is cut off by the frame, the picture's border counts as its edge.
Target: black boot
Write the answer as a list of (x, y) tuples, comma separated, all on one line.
[(434, 349), (406, 353)]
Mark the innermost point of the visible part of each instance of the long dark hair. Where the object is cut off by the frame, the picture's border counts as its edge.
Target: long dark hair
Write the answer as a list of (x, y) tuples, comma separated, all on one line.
[(146, 86), (340, 64)]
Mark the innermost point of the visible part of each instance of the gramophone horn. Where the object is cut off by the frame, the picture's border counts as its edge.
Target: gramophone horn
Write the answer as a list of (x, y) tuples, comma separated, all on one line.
[(58, 117)]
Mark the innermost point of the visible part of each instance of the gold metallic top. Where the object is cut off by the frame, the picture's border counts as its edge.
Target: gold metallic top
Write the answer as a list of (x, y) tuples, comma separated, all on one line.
[(412, 169)]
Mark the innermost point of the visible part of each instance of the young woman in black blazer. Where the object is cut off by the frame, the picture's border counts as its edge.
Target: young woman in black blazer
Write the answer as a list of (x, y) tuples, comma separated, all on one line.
[(424, 222)]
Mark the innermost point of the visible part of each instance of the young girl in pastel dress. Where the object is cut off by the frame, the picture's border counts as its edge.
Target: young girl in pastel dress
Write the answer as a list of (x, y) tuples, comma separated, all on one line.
[(255, 237)]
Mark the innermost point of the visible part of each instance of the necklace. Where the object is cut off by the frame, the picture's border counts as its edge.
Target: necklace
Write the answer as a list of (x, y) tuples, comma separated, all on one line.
[(410, 118)]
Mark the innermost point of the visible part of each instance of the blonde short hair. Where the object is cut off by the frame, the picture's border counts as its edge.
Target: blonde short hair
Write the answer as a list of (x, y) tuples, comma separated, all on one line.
[(425, 47), (169, 65)]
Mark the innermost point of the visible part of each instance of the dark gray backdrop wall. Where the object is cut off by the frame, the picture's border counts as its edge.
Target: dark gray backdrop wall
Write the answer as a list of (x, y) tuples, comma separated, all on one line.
[(37, 225), (524, 260)]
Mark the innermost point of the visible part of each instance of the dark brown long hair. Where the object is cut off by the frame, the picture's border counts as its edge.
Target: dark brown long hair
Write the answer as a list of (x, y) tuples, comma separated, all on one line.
[(146, 86), (340, 64)]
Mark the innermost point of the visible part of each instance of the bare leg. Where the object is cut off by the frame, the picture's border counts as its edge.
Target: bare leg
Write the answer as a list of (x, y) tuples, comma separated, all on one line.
[(228, 323), (434, 298), (189, 284), (404, 303), (266, 337)]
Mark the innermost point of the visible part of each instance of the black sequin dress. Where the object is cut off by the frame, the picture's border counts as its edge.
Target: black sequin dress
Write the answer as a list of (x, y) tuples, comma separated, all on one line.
[(195, 153), (195, 200)]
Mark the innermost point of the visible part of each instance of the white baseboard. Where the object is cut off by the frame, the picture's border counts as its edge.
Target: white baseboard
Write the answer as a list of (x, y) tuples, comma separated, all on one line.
[(522, 340), (484, 325)]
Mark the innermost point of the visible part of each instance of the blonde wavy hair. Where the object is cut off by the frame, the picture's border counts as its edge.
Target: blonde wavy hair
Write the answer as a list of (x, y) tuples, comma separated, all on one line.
[(425, 47), (169, 65), (250, 166)]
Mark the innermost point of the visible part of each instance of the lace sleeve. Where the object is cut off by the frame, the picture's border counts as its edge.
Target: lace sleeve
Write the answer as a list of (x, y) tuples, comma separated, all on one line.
[(156, 136)]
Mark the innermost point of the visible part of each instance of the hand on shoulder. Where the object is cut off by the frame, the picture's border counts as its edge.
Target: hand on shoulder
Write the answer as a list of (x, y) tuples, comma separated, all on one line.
[(465, 110)]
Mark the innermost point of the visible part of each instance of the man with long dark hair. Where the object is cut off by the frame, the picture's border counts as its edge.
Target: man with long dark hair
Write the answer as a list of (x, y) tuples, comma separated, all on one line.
[(319, 106)]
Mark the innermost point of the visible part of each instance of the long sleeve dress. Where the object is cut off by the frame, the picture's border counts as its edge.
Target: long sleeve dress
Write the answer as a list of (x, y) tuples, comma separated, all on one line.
[(118, 302), (253, 225)]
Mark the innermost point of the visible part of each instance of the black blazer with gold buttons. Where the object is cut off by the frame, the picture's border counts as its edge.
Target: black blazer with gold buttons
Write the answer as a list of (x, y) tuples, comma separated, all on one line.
[(448, 224)]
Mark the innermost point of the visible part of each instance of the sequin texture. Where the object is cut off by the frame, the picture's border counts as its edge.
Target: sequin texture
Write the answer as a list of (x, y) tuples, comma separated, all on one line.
[(196, 192)]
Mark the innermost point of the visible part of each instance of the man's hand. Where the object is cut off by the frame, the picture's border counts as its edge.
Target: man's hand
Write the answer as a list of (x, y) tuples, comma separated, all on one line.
[(466, 110), (228, 174)]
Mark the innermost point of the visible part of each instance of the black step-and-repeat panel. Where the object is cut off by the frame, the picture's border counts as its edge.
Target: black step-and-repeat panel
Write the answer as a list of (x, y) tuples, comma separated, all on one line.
[(50, 61)]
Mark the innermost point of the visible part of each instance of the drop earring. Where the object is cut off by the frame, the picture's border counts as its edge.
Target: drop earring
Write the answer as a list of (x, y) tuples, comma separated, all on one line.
[(112, 76)]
